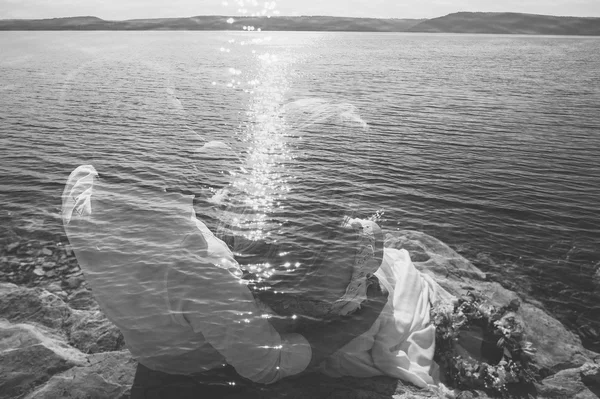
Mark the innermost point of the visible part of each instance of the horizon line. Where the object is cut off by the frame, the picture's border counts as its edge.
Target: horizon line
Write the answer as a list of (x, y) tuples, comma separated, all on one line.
[(295, 16)]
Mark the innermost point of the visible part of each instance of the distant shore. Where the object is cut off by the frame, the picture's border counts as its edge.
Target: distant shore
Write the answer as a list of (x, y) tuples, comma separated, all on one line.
[(461, 22)]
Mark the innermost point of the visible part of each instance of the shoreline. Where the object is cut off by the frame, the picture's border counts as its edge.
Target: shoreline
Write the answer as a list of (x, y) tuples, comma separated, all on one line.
[(50, 264)]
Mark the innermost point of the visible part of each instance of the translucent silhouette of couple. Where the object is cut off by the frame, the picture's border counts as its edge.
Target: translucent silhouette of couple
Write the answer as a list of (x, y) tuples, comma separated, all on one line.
[(180, 298)]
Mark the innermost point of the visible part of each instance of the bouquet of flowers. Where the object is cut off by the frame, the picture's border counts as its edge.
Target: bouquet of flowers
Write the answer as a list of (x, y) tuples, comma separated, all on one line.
[(506, 355)]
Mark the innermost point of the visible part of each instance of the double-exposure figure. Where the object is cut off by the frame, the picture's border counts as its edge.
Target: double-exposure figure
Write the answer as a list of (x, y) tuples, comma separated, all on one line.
[(270, 292)]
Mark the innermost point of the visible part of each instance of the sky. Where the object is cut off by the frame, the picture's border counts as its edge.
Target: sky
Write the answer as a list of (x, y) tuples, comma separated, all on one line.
[(127, 9)]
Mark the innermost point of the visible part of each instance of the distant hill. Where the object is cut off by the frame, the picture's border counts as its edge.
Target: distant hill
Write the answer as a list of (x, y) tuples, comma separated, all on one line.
[(216, 22), (508, 22), (69, 23), (461, 22)]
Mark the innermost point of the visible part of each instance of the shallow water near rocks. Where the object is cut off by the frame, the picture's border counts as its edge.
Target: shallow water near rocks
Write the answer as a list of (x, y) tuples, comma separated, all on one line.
[(489, 143)]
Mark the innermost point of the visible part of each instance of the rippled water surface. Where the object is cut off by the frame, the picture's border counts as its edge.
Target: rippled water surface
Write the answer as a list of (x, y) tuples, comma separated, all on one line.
[(489, 143)]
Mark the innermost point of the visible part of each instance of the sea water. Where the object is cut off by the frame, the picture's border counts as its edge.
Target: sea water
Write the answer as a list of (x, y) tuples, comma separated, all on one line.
[(487, 142)]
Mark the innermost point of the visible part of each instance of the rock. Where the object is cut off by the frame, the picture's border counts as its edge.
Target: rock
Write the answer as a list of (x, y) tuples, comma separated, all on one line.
[(54, 288), (92, 332), (5, 289), (570, 383), (38, 271), (46, 251), (12, 247), (106, 375), (38, 306), (74, 282), (590, 374), (80, 385), (48, 265), (544, 332), (88, 331), (588, 330), (82, 299), (30, 356)]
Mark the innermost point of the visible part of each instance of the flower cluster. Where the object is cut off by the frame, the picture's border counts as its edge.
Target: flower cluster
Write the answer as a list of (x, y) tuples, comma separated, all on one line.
[(505, 355)]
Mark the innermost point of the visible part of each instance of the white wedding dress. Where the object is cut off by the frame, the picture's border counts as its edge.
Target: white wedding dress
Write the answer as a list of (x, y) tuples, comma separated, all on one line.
[(401, 343)]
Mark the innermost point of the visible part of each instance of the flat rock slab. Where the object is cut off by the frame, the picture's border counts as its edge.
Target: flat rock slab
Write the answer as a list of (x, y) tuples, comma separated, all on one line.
[(104, 375), (33, 306), (87, 330), (579, 383), (29, 356)]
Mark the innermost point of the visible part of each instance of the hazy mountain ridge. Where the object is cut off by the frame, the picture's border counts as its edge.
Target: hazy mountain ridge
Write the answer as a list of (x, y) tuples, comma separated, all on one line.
[(461, 22), (508, 22), (217, 22)]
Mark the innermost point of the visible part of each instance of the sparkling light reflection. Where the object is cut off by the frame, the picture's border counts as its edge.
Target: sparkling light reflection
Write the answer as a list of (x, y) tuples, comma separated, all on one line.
[(262, 182), (259, 187)]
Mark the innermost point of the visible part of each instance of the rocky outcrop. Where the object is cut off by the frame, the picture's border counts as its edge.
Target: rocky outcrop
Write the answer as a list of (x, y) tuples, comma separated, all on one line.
[(581, 383), (30, 356), (46, 346), (89, 331), (458, 276), (104, 375), (56, 343)]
